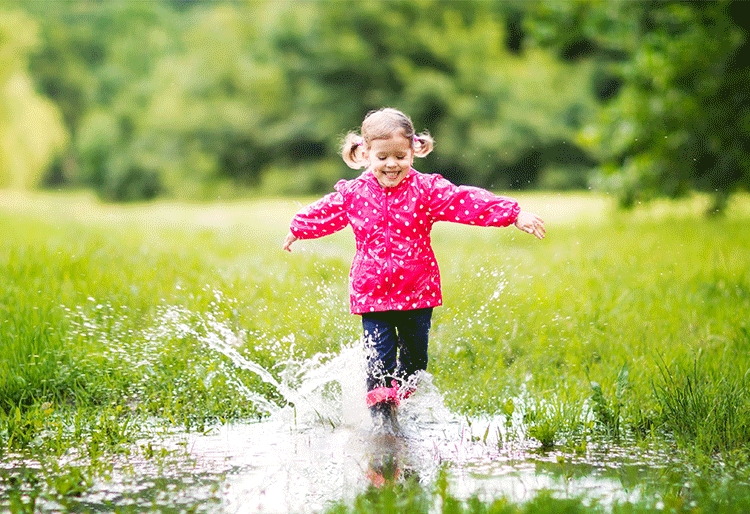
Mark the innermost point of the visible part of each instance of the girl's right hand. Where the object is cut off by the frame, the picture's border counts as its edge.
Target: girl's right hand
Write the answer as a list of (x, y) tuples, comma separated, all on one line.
[(531, 224), (290, 238)]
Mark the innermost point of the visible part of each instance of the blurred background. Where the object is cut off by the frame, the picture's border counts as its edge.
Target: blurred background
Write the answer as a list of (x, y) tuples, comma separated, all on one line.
[(197, 100)]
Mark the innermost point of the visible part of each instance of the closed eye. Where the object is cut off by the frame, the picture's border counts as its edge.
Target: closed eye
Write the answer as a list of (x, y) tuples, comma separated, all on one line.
[(397, 157)]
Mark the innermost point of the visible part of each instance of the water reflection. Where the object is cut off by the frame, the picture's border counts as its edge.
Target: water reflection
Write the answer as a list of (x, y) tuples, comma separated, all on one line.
[(271, 468), (386, 464), (277, 467), (319, 449)]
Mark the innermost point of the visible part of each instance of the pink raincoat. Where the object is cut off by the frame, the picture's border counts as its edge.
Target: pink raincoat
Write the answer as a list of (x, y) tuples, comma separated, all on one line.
[(394, 266)]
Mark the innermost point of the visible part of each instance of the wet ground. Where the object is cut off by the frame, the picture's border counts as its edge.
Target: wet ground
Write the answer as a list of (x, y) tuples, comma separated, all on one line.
[(277, 467), (319, 449)]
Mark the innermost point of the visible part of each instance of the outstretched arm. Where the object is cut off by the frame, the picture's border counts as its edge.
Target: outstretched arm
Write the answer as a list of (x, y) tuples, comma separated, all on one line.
[(290, 238), (318, 219), (531, 224), (469, 205)]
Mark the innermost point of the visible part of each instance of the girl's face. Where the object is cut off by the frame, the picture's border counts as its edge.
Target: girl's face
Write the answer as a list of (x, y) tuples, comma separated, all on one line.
[(390, 159)]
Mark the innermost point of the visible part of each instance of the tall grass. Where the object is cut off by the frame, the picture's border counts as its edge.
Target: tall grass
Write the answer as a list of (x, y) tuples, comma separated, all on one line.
[(553, 318), (616, 325), (707, 409)]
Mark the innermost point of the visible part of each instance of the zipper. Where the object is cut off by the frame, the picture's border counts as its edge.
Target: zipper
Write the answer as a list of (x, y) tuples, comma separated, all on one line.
[(388, 254)]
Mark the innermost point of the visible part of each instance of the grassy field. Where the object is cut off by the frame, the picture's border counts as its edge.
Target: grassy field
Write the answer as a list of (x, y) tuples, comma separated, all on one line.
[(623, 327)]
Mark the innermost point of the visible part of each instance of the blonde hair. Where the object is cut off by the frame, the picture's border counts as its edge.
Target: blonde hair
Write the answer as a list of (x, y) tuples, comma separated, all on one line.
[(382, 124)]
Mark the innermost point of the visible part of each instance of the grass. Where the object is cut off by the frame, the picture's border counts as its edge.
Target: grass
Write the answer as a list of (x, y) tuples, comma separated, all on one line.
[(706, 409), (412, 498), (620, 326), (409, 497)]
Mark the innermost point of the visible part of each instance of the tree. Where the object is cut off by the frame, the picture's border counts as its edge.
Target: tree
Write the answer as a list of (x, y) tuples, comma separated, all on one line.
[(674, 80), (31, 129), (496, 114), (217, 99), (95, 62)]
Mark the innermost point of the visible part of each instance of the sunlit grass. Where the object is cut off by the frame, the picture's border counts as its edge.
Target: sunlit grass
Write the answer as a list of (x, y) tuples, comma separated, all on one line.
[(619, 325)]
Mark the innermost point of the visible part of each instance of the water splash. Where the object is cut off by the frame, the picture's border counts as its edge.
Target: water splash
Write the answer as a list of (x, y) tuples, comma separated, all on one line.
[(316, 448), (322, 388)]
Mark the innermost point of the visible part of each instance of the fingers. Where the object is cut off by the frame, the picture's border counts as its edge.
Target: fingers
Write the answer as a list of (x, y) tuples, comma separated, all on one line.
[(531, 224), (287, 246), (537, 228)]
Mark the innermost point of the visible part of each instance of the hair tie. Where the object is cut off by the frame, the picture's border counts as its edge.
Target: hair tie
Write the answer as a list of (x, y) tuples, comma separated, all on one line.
[(417, 139), (360, 141)]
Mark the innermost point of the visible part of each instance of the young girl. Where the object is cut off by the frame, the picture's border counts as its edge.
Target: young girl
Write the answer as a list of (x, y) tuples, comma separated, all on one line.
[(394, 281)]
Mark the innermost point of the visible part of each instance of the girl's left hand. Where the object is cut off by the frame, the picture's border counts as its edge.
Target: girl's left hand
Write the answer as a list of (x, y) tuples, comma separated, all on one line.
[(290, 238), (531, 224)]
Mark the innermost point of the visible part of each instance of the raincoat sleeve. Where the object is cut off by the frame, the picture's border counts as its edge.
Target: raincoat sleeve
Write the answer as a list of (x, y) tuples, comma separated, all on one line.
[(321, 218), (470, 205)]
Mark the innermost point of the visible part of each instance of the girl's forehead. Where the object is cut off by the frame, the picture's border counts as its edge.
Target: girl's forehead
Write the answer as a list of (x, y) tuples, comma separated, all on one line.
[(393, 143)]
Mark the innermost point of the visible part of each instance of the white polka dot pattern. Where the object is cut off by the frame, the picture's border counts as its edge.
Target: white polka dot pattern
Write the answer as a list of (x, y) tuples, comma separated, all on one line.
[(394, 267)]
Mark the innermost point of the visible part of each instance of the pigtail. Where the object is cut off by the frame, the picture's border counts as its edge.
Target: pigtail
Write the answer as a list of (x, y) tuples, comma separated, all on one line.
[(423, 144), (353, 151)]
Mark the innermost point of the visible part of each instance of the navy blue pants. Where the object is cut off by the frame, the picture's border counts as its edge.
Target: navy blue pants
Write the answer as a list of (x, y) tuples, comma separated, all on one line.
[(396, 343)]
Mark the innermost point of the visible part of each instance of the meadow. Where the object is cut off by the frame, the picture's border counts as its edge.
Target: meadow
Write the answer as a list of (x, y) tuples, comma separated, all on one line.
[(621, 329)]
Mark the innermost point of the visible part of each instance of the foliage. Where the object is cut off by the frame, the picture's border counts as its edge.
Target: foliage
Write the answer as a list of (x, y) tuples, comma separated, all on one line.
[(608, 412), (221, 99), (31, 131), (674, 78)]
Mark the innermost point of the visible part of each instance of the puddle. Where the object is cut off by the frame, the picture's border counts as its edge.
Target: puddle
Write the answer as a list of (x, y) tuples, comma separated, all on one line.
[(319, 449), (274, 467)]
